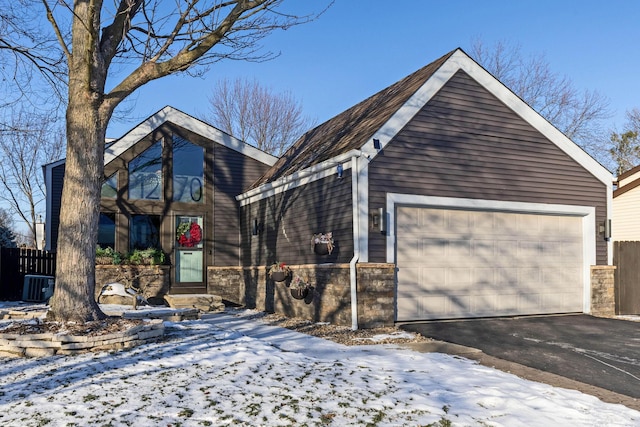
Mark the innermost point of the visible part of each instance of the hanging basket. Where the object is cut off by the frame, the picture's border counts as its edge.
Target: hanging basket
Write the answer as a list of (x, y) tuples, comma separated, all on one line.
[(299, 293), (322, 243), (321, 249), (278, 276)]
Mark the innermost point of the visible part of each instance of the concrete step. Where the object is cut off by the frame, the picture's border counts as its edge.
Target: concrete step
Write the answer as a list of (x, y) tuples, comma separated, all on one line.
[(203, 302)]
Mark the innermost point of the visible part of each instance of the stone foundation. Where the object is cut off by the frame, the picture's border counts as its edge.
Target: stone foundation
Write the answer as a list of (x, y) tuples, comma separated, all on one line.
[(329, 299), (603, 302), (153, 280)]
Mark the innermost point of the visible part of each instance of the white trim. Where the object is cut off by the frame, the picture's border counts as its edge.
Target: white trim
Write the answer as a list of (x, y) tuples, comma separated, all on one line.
[(362, 208), (461, 61), (353, 273), (588, 214), (170, 114), (297, 179)]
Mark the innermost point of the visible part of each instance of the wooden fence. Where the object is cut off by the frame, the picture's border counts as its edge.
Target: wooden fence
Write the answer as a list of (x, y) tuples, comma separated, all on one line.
[(15, 263), (626, 258)]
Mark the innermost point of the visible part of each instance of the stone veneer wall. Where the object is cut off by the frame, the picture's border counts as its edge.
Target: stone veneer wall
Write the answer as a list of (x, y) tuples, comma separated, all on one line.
[(603, 302), (152, 279), (329, 299)]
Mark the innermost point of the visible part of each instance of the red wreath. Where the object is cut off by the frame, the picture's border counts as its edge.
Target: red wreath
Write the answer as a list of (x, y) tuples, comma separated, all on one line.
[(191, 237)]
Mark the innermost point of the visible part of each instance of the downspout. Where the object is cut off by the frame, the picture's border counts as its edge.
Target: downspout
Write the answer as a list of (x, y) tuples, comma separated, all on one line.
[(356, 244)]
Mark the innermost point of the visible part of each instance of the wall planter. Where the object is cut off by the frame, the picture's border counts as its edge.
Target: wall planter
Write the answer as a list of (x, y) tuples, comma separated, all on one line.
[(299, 293), (321, 249), (278, 276), (299, 288), (279, 272), (322, 243)]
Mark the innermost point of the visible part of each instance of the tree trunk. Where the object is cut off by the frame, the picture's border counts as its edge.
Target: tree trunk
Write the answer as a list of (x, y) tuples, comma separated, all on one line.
[(87, 118), (74, 298)]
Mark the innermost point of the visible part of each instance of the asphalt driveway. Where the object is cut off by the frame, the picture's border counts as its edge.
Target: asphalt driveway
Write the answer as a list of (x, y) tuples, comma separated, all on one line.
[(600, 352)]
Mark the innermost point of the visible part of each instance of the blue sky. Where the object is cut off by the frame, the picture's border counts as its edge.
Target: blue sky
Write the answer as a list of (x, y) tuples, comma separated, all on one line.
[(361, 46)]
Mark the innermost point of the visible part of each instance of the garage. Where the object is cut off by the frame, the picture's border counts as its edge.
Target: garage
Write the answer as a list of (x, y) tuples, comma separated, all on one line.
[(465, 263)]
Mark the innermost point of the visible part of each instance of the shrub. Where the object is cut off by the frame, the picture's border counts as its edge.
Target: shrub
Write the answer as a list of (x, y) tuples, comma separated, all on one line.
[(150, 256), (108, 256)]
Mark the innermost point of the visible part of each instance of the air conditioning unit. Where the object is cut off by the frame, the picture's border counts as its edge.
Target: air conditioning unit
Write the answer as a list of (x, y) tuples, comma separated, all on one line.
[(37, 288)]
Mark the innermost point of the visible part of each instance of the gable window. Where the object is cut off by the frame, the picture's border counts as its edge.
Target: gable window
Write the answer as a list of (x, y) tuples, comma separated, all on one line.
[(107, 230), (188, 171), (145, 174), (110, 187), (144, 232)]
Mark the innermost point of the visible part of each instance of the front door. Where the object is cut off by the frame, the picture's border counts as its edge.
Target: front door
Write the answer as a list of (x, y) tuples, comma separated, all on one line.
[(189, 255)]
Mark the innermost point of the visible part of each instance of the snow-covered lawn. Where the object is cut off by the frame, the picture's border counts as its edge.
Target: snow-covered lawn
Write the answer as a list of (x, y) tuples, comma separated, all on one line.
[(231, 370)]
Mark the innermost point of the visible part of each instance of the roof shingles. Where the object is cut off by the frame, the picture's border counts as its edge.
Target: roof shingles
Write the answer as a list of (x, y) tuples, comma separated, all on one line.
[(351, 129)]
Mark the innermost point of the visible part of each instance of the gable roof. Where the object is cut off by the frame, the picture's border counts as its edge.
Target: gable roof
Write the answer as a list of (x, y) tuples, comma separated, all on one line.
[(177, 117), (349, 129), (384, 114)]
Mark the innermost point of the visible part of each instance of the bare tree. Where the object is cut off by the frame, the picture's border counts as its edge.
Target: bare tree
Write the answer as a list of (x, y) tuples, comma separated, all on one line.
[(147, 40), (30, 140), (578, 114), (625, 146), (625, 150), (268, 120), (633, 120)]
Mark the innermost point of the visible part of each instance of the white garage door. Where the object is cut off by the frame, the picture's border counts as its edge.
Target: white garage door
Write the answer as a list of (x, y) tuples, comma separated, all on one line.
[(466, 263)]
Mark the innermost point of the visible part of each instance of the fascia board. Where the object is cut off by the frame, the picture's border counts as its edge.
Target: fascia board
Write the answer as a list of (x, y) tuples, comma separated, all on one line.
[(170, 114), (461, 61), (297, 179)]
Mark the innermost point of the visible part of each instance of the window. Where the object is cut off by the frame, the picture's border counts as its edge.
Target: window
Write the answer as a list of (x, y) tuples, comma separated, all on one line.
[(188, 171), (107, 230), (145, 174), (110, 187), (144, 232)]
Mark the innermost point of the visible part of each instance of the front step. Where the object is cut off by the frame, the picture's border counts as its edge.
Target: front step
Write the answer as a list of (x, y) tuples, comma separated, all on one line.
[(203, 302)]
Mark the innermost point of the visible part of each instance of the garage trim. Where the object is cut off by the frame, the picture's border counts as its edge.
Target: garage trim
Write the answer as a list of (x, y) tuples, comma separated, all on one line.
[(588, 214)]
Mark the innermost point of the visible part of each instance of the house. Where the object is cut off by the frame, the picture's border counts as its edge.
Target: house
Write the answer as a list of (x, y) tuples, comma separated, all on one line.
[(170, 173), (447, 197), (626, 201), (445, 194)]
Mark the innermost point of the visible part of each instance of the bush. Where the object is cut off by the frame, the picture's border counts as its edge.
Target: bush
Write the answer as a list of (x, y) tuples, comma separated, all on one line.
[(150, 256), (108, 256)]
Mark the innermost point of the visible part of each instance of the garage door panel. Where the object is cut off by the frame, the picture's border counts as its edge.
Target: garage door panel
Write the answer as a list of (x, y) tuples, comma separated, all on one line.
[(529, 276), (505, 250), (562, 276), (433, 248), (482, 249), (458, 248), (569, 249), (506, 277), (484, 276), (432, 278), (458, 220), (505, 224), (456, 263)]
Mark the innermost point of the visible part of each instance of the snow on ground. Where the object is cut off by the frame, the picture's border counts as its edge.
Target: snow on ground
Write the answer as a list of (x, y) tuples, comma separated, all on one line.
[(227, 369)]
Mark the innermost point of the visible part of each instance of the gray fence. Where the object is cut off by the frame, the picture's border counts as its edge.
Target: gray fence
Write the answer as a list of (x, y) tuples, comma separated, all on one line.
[(626, 258)]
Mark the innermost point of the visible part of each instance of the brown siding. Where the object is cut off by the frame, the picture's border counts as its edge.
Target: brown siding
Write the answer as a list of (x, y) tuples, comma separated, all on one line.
[(465, 143), (290, 219), (227, 174), (232, 173)]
